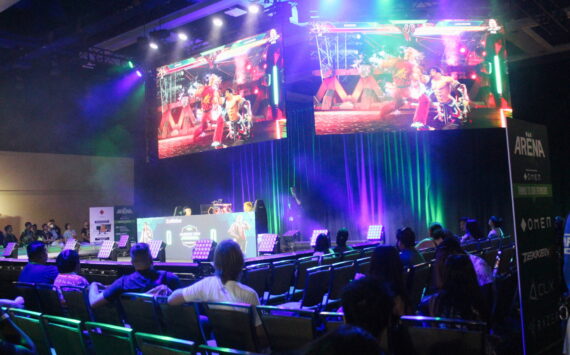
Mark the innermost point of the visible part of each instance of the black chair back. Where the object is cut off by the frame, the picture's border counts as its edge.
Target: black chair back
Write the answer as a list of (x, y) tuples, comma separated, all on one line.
[(257, 277), (77, 303), (282, 276), (30, 294), (363, 265), (50, 299), (428, 254), (287, 330), (182, 321), (331, 259), (342, 274), (233, 325), (301, 272), (317, 285), (31, 324), (140, 312), (506, 259), (108, 314), (490, 257), (420, 275), (435, 336)]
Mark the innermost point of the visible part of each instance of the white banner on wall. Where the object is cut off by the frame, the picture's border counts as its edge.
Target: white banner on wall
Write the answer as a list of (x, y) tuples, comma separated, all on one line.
[(101, 223)]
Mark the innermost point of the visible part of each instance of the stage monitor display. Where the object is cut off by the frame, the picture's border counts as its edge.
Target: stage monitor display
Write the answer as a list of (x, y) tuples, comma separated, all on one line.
[(224, 97), (180, 233), (409, 75)]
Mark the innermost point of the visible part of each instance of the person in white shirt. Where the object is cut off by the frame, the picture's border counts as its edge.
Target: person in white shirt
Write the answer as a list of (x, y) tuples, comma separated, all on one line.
[(495, 224), (224, 285)]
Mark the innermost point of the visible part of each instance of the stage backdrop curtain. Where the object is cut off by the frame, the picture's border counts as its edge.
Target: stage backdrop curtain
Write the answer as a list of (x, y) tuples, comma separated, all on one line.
[(390, 178)]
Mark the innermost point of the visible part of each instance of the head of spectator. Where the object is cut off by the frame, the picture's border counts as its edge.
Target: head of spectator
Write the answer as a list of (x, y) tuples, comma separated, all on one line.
[(141, 258), (495, 222), (322, 243), (473, 229), (440, 235), (8, 229), (342, 237), (37, 252), (228, 261), (434, 226), (67, 226), (45, 228), (67, 262), (460, 294), (346, 339), (28, 226), (462, 224), (386, 267), (368, 304), (405, 238), (34, 228)]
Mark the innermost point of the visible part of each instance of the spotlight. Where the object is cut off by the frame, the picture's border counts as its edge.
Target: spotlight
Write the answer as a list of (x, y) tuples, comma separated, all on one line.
[(462, 50), (248, 67), (253, 9), (217, 22), (484, 53), (153, 45), (139, 73), (375, 233), (473, 76), (130, 64), (182, 36)]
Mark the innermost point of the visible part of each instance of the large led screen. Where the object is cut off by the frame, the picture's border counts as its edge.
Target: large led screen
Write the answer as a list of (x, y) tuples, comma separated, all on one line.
[(409, 75), (224, 97), (180, 233)]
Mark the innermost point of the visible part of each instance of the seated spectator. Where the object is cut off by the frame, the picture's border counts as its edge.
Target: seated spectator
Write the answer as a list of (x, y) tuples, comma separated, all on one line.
[(322, 245), (85, 232), (346, 339), (36, 271), (495, 224), (224, 285), (27, 236), (341, 239), (462, 224), (44, 234), (406, 244), (2, 238), (68, 266), (430, 242), (9, 236), (69, 233), (144, 278), (368, 304), (473, 232), (450, 246), (386, 267), (460, 296)]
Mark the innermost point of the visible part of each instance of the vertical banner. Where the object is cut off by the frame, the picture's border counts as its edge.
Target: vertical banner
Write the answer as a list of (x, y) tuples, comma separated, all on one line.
[(125, 223), (101, 224), (536, 242)]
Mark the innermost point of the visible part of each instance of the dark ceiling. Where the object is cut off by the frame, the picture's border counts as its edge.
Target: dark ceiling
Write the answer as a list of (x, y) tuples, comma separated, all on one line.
[(33, 31)]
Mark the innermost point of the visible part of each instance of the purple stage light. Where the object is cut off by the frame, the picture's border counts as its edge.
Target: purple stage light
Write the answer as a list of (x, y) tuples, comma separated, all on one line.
[(375, 232), (203, 250), (316, 233), (253, 9), (266, 243)]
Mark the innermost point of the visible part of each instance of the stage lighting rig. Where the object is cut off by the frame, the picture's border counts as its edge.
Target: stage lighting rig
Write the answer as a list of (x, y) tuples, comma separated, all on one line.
[(376, 233), (203, 250), (316, 233), (268, 244)]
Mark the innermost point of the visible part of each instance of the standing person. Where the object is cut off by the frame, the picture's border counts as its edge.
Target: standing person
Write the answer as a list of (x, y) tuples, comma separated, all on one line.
[(341, 238), (237, 231), (495, 224), (9, 236), (69, 233), (85, 232), (406, 244), (27, 236), (145, 278), (36, 271)]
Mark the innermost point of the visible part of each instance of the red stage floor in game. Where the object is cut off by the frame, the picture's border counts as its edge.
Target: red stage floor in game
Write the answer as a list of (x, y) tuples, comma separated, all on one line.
[(171, 147), (345, 122)]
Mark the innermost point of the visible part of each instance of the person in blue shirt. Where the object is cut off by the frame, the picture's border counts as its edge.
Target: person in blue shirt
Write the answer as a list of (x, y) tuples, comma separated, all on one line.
[(36, 271), (406, 243)]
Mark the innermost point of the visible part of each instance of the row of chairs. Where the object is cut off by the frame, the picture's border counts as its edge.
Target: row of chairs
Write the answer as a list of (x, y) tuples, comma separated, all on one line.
[(233, 326), (285, 281)]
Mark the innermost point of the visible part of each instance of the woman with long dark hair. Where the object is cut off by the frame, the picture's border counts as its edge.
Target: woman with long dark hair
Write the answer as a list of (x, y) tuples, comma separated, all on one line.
[(386, 267), (460, 296), (495, 224), (473, 232)]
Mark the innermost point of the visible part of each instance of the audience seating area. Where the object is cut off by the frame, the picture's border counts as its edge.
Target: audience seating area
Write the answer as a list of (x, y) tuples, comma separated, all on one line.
[(296, 295)]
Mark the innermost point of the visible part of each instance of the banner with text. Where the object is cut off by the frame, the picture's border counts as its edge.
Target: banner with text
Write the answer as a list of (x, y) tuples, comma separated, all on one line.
[(537, 245), (125, 223), (101, 224)]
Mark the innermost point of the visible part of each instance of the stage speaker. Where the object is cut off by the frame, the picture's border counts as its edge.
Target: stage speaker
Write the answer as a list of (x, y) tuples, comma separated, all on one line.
[(287, 240), (260, 217), (11, 251)]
